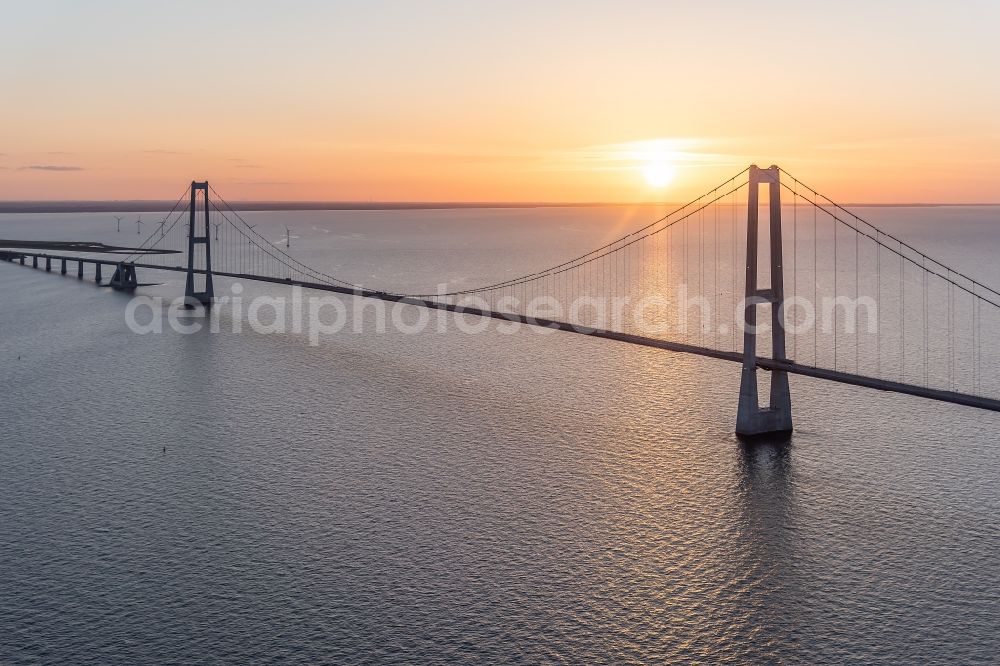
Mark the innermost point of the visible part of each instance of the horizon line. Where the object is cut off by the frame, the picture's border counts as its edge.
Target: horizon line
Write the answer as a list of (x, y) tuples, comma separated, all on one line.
[(29, 206)]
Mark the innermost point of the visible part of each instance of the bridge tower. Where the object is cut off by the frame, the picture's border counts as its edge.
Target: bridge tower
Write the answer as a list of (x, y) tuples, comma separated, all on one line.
[(751, 419), (195, 237)]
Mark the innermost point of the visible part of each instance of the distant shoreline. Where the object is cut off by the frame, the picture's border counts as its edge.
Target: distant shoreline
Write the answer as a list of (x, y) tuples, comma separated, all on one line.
[(164, 206)]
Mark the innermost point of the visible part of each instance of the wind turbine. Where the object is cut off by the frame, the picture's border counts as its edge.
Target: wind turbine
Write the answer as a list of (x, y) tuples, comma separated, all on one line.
[(217, 225), (288, 237), (138, 225), (119, 223)]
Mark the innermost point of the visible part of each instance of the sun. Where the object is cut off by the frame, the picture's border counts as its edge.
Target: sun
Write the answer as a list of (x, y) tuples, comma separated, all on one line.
[(659, 173)]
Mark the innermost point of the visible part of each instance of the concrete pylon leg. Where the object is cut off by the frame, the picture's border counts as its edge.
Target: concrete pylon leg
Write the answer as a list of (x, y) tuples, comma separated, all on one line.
[(97, 273), (63, 267), (751, 420), (79, 269)]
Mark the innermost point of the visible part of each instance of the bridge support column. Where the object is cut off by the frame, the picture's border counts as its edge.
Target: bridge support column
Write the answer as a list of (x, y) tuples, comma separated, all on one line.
[(79, 269), (97, 272), (63, 267), (751, 419), (48, 263), (191, 295), (22, 260), (34, 262)]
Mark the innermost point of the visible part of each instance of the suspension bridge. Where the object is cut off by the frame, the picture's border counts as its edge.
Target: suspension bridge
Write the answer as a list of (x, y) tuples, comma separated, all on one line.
[(785, 298)]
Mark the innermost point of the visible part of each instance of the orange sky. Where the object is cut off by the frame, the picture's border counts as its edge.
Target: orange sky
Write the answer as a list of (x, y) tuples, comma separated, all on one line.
[(497, 101)]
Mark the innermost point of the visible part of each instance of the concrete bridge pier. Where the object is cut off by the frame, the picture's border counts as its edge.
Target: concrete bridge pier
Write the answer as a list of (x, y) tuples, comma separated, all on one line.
[(63, 268), (22, 260), (97, 272), (34, 262), (79, 269), (48, 264)]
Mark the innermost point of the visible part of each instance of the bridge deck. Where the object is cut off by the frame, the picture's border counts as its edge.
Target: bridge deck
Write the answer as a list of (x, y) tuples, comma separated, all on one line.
[(789, 366)]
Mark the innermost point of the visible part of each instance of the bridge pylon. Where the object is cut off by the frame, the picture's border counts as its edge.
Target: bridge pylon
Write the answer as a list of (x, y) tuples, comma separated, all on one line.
[(196, 237), (751, 418)]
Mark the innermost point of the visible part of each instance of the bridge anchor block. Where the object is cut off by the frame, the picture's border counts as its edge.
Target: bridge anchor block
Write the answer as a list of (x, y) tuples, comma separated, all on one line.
[(124, 277)]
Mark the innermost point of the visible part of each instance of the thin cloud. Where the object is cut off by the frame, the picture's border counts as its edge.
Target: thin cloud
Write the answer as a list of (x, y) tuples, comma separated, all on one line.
[(51, 167), (160, 151), (484, 157), (625, 156), (443, 153), (243, 163)]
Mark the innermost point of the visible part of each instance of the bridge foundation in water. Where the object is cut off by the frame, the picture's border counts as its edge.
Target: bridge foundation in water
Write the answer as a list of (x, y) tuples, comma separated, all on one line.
[(751, 418)]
